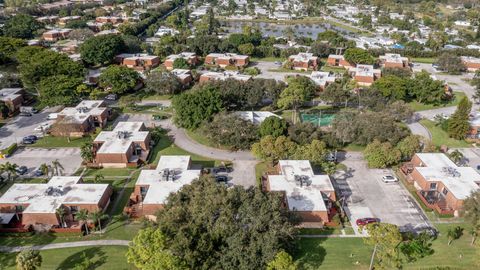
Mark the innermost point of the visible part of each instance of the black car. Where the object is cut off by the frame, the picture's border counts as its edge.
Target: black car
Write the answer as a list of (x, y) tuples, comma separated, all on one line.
[(38, 173), (221, 178), (222, 169), (22, 170), (31, 137), (28, 141), (25, 114)]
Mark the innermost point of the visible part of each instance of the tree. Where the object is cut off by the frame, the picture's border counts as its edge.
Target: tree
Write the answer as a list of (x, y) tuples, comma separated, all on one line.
[(456, 156), (61, 214), (83, 216), (282, 261), (163, 82), (358, 56), (381, 155), (210, 226), (85, 263), (86, 151), (337, 93), (273, 149), (246, 49), (195, 106), (45, 169), (453, 233), (98, 178), (475, 82), (274, 126), (458, 124), (57, 167), (417, 247), (9, 47), (28, 259), (59, 90), (81, 34), (392, 87), (97, 217), (425, 89), (10, 169), (408, 146), (450, 63), (101, 49), (21, 26), (299, 90), (37, 63), (385, 238), (471, 213), (119, 79), (149, 250), (230, 130), (315, 152), (181, 63)]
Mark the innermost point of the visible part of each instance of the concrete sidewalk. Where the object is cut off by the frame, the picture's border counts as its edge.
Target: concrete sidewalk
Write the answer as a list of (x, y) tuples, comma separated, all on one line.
[(7, 249)]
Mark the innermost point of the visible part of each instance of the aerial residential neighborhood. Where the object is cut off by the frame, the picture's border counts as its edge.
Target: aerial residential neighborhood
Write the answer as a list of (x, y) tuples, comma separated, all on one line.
[(239, 134)]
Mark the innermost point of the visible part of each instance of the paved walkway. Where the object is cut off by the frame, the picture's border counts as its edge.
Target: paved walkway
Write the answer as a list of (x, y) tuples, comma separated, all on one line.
[(419, 129), (7, 249), (332, 236)]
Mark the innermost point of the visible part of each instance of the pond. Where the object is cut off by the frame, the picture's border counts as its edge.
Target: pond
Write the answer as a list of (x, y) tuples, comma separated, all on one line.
[(277, 29)]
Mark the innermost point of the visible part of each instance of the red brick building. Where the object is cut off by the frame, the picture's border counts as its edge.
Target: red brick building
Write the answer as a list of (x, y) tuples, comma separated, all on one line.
[(13, 98), (56, 34), (471, 63), (140, 62), (38, 204), (335, 60), (183, 75), (310, 196), (191, 58), (393, 60), (227, 60), (440, 183), (304, 61), (365, 75), (128, 144), (154, 186)]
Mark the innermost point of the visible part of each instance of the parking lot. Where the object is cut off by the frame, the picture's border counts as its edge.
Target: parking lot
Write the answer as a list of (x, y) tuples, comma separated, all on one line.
[(366, 195), (21, 126), (69, 158)]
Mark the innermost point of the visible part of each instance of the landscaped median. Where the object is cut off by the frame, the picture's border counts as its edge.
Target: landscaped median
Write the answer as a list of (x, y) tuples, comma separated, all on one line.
[(440, 137), (417, 106)]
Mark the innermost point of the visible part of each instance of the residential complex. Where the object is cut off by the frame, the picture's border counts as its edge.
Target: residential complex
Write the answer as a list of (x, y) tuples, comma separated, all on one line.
[(441, 184), (82, 119), (140, 62), (322, 79), (308, 194), (56, 34), (183, 75), (365, 75), (472, 64), (127, 145), (154, 186), (227, 60), (222, 76), (190, 57), (335, 60), (304, 61), (38, 204), (13, 98), (393, 60)]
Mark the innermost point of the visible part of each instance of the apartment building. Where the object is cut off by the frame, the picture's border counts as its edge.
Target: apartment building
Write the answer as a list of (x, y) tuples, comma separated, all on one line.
[(336, 60), (471, 63), (13, 98), (154, 186), (227, 60), (56, 34), (304, 61), (394, 60), (311, 196), (256, 117), (365, 75), (222, 76), (139, 62), (322, 79), (183, 75), (127, 145), (191, 58)]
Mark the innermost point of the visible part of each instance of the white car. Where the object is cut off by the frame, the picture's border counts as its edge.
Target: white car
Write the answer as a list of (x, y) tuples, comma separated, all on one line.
[(389, 179)]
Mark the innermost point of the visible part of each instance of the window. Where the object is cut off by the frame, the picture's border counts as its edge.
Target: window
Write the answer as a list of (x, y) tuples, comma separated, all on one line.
[(433, 186), (445, 191), (73, 209), (18, 208)]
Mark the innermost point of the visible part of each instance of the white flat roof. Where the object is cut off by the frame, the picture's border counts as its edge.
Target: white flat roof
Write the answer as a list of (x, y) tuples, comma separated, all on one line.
[(256, 117), (227, 55), (306, 197), (321, 78), (460, 181), (83, 110), (365, 70), (158, 188), (184, 55), (471, 59), (303, 57), (7, 94), (121, 137), (393, 58), (226, 75), (64, 190)]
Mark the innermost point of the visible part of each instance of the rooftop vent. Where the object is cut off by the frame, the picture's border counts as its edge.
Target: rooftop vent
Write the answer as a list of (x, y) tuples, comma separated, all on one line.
[(450, 171), (123, 134), (302, 180), (57, 191), (82, 109)]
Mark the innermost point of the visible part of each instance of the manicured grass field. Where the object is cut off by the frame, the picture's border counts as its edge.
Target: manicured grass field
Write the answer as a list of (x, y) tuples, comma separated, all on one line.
[(51, 142), (107, 257), (201, 139), (424, 60), (416, 106), (352, 253), (267, 59), (440, 137)]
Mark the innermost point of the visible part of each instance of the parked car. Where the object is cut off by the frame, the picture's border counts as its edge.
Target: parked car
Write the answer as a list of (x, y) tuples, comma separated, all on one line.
[(222, 169), (52, 116), (159, 117), (389, 179), (111, 97), (278, 63), (22, 170), (221, 178), (28, 141), (25, 114), (31, 137), (366, 221), (331, 157), (37, 172)]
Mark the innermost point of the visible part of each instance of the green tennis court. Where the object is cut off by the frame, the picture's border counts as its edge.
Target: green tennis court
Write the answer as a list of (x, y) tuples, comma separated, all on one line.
[(319, 119)]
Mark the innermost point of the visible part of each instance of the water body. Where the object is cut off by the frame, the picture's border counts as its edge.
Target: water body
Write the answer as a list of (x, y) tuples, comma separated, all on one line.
[(277, 29)]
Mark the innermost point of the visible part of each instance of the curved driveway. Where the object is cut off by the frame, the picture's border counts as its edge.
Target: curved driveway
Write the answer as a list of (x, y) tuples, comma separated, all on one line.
[(7, 249)]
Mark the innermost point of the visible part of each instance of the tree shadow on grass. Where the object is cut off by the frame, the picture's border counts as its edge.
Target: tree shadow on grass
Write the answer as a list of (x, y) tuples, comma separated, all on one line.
[(7, 260), (95, 255), (310, 253)]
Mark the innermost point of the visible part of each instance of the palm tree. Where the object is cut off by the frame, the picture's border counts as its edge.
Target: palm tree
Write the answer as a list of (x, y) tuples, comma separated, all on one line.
[(86, 152), (57, 167), (45, 169), (98, 178), (29, 260), (329, 168), (82, 215), (10, 169), (98, 216), (456, 156), (453, 234), (61, 214)]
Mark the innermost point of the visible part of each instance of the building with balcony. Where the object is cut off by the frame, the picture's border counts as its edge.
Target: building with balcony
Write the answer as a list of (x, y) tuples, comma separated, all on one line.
[(304, 61), (394, 60), (365, 75), (335, 60), (227, 60), (139, 62), (190, 57)]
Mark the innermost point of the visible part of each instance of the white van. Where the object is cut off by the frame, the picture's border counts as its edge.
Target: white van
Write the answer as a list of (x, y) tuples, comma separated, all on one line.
[(52, 116)]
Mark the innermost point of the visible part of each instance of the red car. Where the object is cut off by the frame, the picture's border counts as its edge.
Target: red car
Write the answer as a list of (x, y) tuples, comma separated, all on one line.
[(366, 221)]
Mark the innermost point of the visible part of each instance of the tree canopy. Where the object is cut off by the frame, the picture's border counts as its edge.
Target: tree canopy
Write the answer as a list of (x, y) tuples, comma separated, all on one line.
[(119, 79), (274, 126), (458, 123), (59, 90), (358, 56), (162, 82), (101, 49), (21, 26)]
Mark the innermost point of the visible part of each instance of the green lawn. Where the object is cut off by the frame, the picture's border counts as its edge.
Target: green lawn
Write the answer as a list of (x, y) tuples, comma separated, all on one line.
[(107, 257), (287, 70), (267, 59), (51, 142), (333, 69), (201, 139), (352, 253), (440, 137), (150, 109), (354, 148), (156, 97), (416, 106), (424, 60)]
